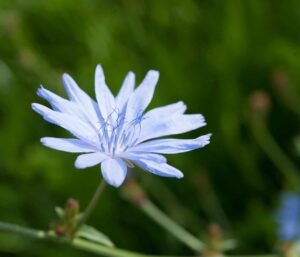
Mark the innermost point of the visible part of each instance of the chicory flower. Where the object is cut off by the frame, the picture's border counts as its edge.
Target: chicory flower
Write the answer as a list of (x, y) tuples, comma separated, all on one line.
[(288, 216), (115, 132)]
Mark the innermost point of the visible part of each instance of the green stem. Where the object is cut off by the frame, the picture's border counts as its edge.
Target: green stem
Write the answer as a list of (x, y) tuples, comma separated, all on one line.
[(87, 245), (167, 223), (102, 250), (91, 206), (133, 192), (24, 231), (77, 243), (275, 153), (163, 195)]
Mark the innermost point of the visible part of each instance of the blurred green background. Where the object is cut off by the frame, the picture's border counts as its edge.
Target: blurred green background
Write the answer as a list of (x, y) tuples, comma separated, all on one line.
[(212, 55)]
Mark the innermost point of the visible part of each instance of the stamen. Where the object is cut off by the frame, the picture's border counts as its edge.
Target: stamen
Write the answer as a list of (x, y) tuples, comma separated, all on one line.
[(117, 134)]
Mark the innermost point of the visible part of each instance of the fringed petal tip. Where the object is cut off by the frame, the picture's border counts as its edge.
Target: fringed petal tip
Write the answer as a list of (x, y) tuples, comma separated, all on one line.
[(36, 107), (202, 119), (153, 74), (40, 91), (205, 140), (65, 76), (179, 175)]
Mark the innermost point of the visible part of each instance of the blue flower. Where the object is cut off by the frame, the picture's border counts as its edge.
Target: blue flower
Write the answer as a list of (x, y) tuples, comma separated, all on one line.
[(288, 216), (115, 131)]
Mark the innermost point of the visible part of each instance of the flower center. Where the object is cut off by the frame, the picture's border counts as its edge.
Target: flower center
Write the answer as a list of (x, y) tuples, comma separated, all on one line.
[(117, 134)]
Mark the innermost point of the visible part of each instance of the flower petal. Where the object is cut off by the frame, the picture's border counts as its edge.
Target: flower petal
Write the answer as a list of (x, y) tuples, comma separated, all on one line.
[(114, 171), (77, 95), (90, 159), (160, 169), (132, 155), (142, 96), (166, 111), (172, 146), (172, 125), (57, 103), (126, 90), (74, 125), (71, 145), (105, 98), (62, 105)]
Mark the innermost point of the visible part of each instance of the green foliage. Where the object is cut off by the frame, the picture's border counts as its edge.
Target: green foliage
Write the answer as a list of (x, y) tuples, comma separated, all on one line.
[(94, 235), (211, 54)]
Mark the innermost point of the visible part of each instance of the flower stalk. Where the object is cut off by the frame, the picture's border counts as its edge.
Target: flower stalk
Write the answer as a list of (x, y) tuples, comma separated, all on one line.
[(24, 231), (260, 105), (77, 243), (134, 193), (91, 206), (90, 246), (276, 154), (172, 227)]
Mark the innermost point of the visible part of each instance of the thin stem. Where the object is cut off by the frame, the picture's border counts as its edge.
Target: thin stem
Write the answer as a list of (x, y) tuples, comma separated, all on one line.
[(167, 223), (24, 231), (103, 250), (91, 206), (77, 243), (87, 245), (134, 193), (163, 195), (276, 154)]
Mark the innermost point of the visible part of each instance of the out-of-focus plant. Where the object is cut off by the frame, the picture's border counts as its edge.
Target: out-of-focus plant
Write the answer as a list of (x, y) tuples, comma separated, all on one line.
[(260, 105), (288, 213), (211, 53)]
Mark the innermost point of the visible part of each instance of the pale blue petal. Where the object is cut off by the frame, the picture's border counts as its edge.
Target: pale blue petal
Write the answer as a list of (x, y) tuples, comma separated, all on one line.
[(90, 159), (62, 105), (166, 111), (114, 171), (74, 125), (70, 145), (125, 91), (147, 156), (105, 98), (142, 96), (57, 103), (172, 146), (160, 169), (172, 125), (77, 95)]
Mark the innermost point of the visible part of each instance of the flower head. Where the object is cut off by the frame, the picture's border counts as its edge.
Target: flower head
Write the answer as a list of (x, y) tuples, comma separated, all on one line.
[(115, 131), (288, 216)]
